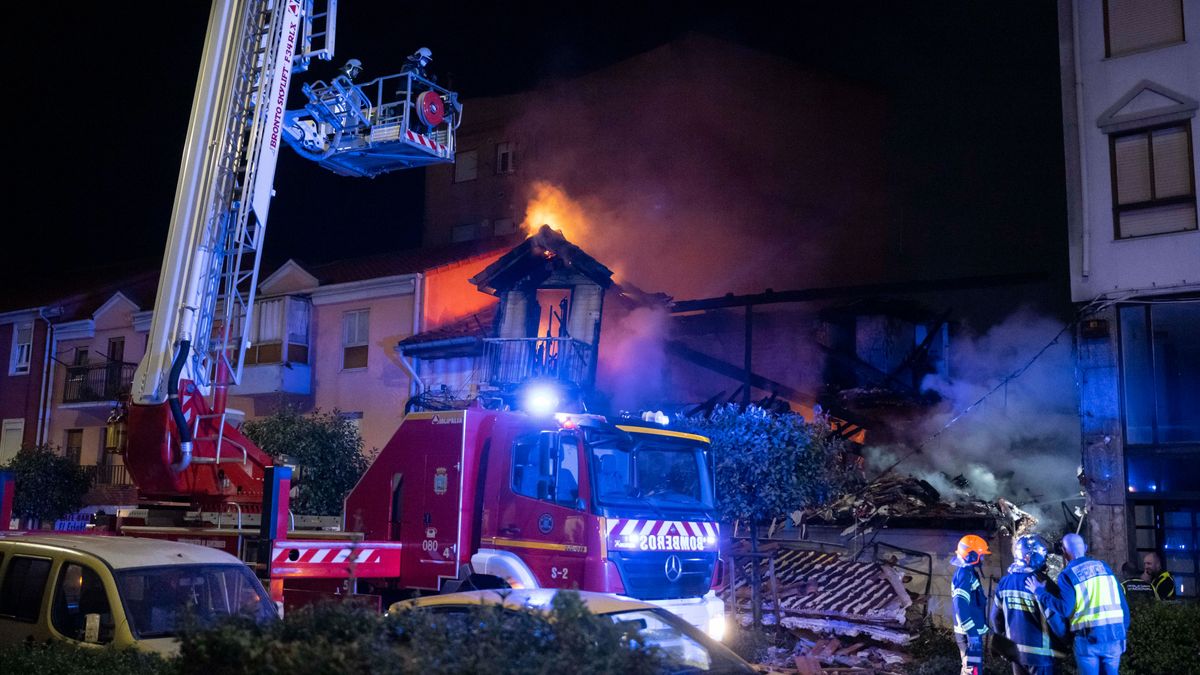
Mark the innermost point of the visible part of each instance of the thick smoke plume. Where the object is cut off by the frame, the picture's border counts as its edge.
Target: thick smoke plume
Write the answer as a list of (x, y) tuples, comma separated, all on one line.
[(1022, 442), (702, 168)]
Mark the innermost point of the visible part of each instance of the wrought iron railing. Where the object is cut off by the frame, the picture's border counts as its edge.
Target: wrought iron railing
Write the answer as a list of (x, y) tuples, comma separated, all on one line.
[(515, 360), (109, 474), (100, 382)]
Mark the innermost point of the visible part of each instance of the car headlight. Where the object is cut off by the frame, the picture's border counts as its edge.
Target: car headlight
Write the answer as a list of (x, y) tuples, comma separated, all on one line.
[(716, 627)]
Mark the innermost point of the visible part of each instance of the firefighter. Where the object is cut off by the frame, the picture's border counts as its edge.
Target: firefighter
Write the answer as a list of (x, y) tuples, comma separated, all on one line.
[(1160, 579), (1093, 603), (1016, 615), (351, 69), (970, 602), (417, 62)]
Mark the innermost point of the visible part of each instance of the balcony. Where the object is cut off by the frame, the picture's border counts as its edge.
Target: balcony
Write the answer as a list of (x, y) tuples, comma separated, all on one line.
[(511, 361), (108, 474), (277, 360), (100, 383)]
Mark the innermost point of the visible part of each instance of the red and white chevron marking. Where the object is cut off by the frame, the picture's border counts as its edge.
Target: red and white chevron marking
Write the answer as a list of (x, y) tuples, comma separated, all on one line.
[(335, 559), (662, 535), (425, 141)]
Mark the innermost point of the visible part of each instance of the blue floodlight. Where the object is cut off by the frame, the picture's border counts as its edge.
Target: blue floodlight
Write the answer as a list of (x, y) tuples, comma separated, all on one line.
[(541, 399)]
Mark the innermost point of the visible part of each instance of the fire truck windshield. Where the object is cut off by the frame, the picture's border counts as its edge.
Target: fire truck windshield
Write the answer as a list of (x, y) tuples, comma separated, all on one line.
[(639, 470)]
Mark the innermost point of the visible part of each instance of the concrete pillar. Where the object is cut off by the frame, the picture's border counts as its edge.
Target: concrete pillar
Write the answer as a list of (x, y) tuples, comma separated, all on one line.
[(1103, 449)]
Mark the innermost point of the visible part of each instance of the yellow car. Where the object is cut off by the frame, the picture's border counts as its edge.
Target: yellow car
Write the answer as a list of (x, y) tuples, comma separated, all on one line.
[(686, 647), (120, 591)]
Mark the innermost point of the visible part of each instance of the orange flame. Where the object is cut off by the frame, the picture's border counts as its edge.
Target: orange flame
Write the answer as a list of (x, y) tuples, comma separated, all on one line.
[(551, 205)]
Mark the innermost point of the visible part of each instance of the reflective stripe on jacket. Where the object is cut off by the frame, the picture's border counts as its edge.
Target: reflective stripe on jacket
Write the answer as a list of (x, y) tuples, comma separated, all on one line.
[(1017, 615), (969, 600), (1092, 599), (1164, 585)]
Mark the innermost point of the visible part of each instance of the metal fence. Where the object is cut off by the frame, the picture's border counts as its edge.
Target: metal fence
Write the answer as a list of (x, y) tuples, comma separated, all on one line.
[(109, 474), (516, 360), (100, 382)]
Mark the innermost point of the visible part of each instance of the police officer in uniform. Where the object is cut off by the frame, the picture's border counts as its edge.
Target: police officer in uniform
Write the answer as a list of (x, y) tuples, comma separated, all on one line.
[(1160, 579), (1093, 603)]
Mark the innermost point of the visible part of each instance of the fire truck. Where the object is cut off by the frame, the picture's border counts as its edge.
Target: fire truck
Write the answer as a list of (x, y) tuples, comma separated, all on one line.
[(486, 495)]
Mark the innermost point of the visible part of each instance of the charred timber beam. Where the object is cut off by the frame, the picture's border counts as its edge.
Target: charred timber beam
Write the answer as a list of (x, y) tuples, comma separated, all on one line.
[(809, 294)]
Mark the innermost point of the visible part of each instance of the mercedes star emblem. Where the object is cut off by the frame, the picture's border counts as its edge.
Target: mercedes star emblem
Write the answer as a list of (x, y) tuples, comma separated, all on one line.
[(673, 568)]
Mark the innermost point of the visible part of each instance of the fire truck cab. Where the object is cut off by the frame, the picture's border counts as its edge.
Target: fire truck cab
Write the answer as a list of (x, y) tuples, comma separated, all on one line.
[(560, 501)]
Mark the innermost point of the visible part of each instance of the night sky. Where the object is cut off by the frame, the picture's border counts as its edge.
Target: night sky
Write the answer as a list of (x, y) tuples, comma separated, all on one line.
[(99, 112)]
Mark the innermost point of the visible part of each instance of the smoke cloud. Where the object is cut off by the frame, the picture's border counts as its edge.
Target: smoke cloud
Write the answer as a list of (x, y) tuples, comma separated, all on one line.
[(702, 168), (633, 359), (1022, 442)]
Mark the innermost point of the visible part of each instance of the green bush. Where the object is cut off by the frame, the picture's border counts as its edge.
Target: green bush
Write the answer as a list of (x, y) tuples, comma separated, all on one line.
[(48, 485), (57, 658), (1164, 637), (330, 638)]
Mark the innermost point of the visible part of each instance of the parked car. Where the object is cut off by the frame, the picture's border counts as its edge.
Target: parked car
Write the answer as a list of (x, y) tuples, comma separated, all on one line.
[(120, 591), (686, 647)]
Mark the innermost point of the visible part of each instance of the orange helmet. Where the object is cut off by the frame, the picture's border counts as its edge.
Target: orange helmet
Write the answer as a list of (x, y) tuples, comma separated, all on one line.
[(971, 549)]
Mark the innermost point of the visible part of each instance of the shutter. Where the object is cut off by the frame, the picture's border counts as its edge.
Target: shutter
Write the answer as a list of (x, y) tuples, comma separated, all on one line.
[(1174, 218), (1139, 24), (1172, 170), (1133, 168)]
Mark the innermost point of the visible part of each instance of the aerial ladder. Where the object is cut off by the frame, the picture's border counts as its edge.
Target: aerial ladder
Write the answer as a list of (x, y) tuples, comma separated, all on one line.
[(178, 442)]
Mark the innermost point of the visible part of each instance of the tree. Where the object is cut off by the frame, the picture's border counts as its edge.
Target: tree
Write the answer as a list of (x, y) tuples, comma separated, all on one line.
[(325, 447), (769, 464), (48, 485)]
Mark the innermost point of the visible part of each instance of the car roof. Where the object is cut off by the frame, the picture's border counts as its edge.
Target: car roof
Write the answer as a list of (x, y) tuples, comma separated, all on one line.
[(120, 552), (516, 598)]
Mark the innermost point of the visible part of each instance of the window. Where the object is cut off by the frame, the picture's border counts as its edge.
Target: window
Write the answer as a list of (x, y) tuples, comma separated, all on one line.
[(1160, 369), (504, 158), (12, 435), (1135, 25), (354, 339), (22, 351), (73, 448), (464, 232), (354, 418), (78, 594), (466, 166), (1172, 531), (546, 467), (21, 592), (1153, 182)]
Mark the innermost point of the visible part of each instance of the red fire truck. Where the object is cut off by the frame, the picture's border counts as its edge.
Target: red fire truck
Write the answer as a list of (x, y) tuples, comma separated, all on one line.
[(564, 501)]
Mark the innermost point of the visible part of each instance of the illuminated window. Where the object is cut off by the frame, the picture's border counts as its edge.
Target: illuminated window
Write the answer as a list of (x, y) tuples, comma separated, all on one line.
[(466, 166), (504, 158), (355, 335), (1154, 186), (1136, 25), (22, 350)]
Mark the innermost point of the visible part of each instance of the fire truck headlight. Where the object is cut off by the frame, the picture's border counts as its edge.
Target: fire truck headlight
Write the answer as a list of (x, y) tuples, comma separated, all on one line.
[(541, 400), (716, 627)]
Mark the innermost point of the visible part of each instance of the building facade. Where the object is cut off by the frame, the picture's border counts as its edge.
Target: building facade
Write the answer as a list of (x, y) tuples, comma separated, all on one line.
[(1130, 74)]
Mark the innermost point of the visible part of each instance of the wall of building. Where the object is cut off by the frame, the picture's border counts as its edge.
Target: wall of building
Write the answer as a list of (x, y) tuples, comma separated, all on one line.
[(378, 391), (1100, 263), (20, 394)]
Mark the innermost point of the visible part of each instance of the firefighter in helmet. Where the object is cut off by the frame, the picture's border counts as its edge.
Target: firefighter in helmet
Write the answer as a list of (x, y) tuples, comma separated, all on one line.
[(351, 69), (1028, 631), (970, 602), (417, 62)]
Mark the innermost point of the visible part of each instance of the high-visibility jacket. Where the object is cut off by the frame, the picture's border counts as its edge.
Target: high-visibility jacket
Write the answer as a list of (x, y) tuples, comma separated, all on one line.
[(1164, 585), (1092, 600), (969, 600), (1017, 615)]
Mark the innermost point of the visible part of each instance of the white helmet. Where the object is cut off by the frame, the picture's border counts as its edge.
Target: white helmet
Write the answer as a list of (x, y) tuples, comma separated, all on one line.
[(423, 55), (352, 68)]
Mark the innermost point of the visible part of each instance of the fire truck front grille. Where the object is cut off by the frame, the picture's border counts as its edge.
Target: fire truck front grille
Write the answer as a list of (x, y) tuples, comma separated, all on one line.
[(647, 575)]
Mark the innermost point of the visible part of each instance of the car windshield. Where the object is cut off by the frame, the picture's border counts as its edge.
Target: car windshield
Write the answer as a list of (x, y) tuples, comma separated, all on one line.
[(685, 647), (640, 469), (158, 598)]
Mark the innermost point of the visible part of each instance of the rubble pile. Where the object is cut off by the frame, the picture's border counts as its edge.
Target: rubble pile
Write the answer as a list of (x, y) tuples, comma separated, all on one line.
[(842, 613), (894, 496)]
